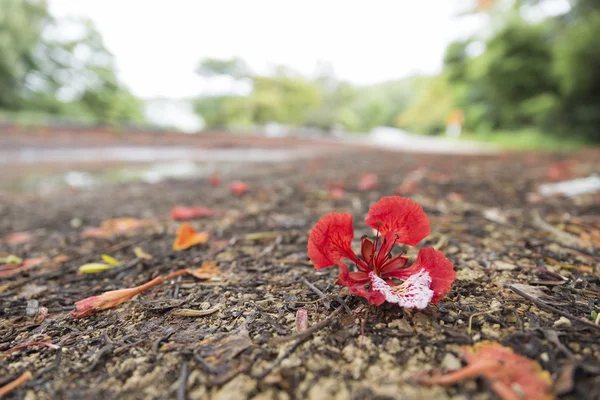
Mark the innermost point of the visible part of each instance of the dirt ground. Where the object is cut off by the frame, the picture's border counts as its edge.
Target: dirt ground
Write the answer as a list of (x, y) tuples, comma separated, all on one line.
[(485, 216)]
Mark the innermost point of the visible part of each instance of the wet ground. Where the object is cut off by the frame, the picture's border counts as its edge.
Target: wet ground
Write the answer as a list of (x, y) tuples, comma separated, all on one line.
[(486, 216)]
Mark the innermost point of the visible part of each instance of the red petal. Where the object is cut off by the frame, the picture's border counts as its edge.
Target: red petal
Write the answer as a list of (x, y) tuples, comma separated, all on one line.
[(215, 180), (367, 250), (357, 287), (181, 213), (400, 216), (238, 187), (510, 375), (439, 268), (331, 240), (367, 181), (360, 277), (393, 265)]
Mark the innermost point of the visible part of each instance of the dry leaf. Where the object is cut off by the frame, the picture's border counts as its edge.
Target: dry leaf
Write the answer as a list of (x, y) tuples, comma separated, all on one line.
[(16, 238), (187, 237), (117, 226), (510, 375), (7, 270), (186, 312), (207, 270), (140, 253)]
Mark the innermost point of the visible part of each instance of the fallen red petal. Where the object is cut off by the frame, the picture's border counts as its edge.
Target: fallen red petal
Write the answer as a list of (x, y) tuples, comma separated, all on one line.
[(238, 187), (7, 270), (110, 299), (182, 213), (510, 375), (336, 194), (367, 181), (215, 180), (16, 238)]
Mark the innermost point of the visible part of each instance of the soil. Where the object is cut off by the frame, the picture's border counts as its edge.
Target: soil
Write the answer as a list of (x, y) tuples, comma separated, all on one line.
[(485, 216)]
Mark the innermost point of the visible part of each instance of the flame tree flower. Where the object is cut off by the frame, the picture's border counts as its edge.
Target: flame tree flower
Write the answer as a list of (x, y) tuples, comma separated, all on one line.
[(380, 276)]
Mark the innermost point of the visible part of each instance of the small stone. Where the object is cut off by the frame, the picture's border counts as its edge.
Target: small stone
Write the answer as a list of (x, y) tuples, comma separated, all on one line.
[(503, 266), (380, 325), (562, 322), (32, 308), (75, 223), (204, 305), (401, 324), (495, 305), (476, 337), (452, 250), (450, 362), (544, 357)]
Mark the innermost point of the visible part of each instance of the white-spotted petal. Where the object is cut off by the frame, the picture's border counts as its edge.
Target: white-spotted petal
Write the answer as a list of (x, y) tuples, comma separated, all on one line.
[(412, 293)]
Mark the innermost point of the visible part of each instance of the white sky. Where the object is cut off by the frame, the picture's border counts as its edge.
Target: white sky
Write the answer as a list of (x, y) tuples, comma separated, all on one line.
[(158, 43)]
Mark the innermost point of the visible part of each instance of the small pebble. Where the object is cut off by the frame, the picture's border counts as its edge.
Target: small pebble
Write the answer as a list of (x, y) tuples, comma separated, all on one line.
[(562, 322), (450, 362)]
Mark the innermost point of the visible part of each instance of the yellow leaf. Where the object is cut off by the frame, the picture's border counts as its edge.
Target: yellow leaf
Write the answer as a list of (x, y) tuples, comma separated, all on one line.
[(11, 259), (109, 260), (140, 253), (92, 268)]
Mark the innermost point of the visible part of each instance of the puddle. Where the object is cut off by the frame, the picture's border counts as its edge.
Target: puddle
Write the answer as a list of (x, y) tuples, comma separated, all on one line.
[(44, 184), (141, 165), (148, 154)]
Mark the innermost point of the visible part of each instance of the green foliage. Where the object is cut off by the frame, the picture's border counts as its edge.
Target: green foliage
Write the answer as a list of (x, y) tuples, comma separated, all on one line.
[(428, 114), (516, 70), (576, 67), (531, 77), (290, 99), (42, 70), (234, 67), (528, 140)]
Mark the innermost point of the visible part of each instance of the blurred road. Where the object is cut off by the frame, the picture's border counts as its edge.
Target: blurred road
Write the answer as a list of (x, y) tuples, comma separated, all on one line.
[(398, 140)]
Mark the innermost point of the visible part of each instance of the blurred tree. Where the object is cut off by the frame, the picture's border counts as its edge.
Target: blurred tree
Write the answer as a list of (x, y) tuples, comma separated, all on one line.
[(43, 69), (428, 114), (285, 98), (577, 62), (516, 70), (235, 67)]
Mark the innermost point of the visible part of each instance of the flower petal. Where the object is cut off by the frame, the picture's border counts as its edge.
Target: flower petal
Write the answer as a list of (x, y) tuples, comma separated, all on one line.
[(412, 293), (357, 286), (395, 215), (187, 237), (331, 240), (439, 268), (181, 213), (511, 376)]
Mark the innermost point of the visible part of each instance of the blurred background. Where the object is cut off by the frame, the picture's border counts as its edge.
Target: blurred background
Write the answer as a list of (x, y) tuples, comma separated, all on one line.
[(162, 81)]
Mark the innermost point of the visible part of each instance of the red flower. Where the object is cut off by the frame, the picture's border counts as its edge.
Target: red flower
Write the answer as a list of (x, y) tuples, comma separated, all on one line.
[(377, 275)]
